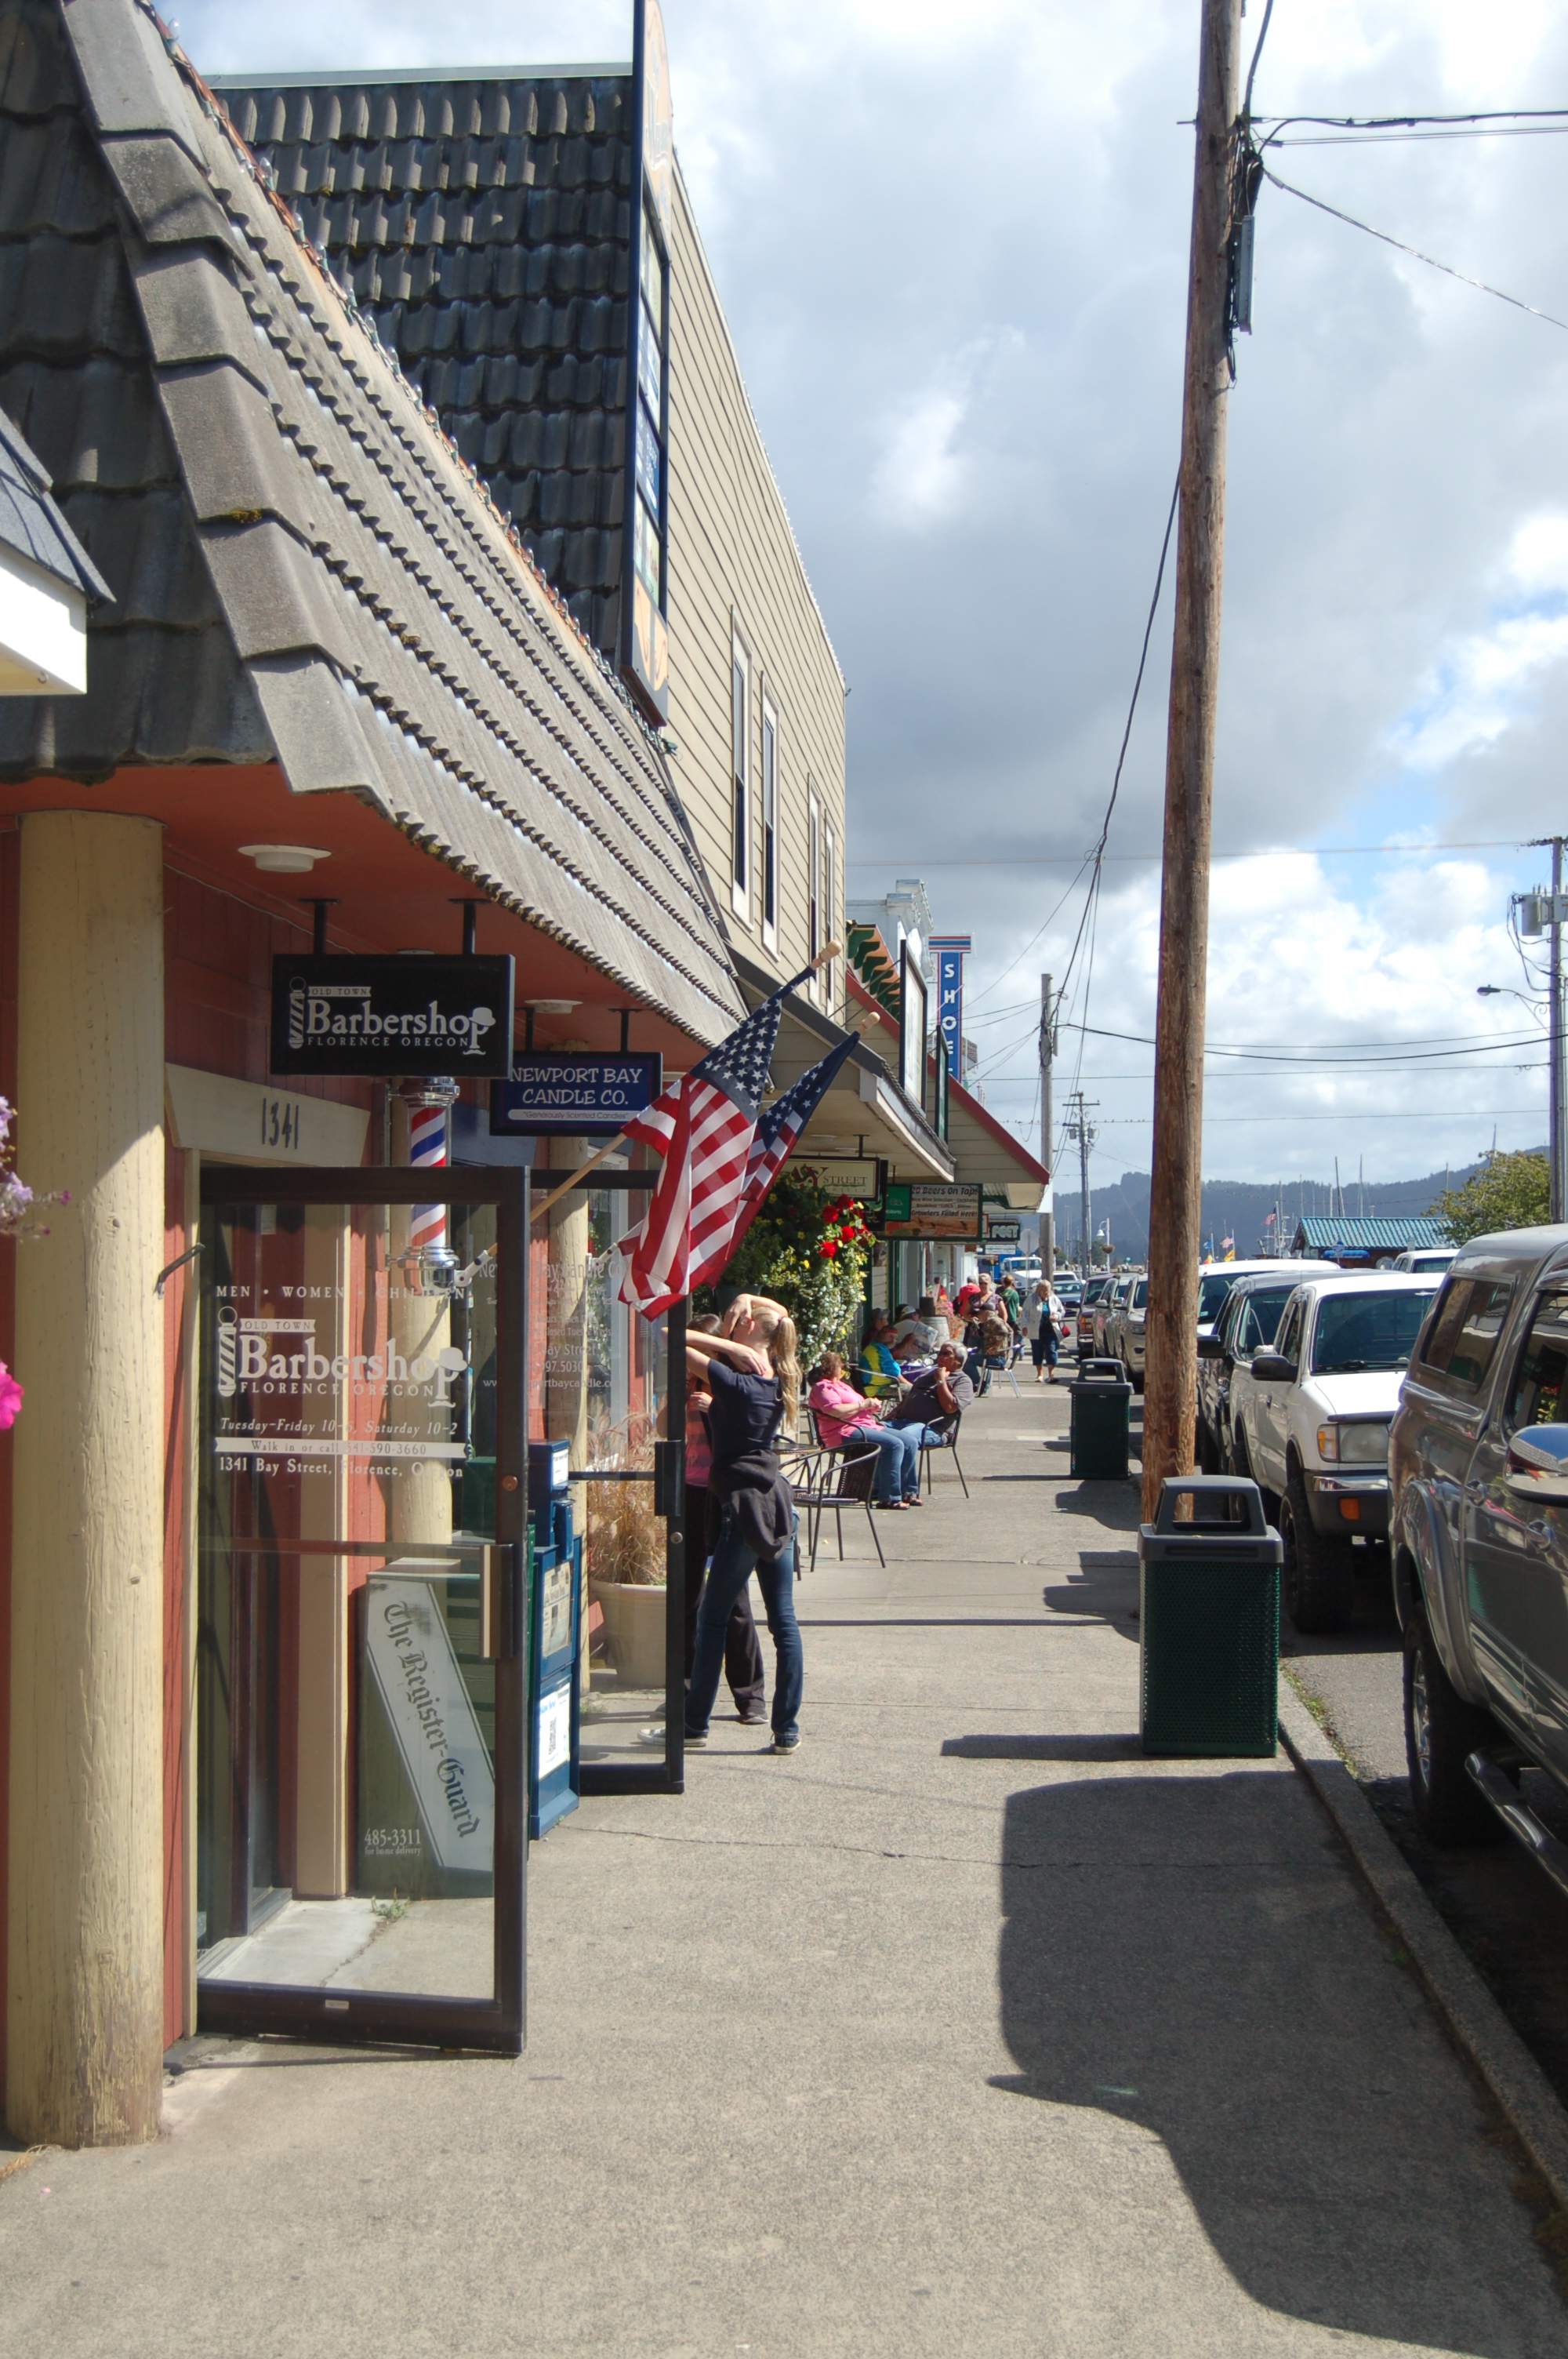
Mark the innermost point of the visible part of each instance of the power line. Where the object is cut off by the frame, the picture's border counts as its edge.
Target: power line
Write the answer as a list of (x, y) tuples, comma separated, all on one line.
[(1266, 852), (1398, 242)]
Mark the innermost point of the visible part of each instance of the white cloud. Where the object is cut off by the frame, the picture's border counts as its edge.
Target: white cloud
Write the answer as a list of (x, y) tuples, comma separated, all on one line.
[(920, 478), (1481, 688)]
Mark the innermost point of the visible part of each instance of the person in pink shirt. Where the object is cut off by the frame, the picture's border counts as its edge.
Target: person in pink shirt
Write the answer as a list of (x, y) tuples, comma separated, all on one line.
[(844, 1418)]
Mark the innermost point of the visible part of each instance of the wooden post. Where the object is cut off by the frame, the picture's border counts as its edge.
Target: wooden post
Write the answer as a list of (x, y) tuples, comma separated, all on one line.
[(1170, 1334), (85, 1980)]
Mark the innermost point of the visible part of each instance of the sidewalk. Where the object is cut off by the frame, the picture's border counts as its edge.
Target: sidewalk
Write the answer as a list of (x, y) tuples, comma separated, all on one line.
[(965, 2031)]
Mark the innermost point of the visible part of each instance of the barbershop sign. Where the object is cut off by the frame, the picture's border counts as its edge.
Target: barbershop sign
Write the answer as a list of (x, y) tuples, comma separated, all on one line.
[(582, 1093), (397, 1014)]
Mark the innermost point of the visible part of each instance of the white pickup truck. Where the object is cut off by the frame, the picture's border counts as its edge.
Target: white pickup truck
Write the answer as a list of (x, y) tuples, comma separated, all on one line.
[(1309, 1421)]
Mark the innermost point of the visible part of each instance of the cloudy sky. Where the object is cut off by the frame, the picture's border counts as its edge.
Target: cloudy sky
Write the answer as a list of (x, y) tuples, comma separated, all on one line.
[(952, 244)]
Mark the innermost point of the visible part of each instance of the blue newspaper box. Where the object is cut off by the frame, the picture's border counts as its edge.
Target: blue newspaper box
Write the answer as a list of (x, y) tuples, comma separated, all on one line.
[(555, 1568)]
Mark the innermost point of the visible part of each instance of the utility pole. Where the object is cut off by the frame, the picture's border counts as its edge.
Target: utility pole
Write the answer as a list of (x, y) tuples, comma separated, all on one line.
[(1080, 1129), (1559, 1194), (1047, 1139), (1535, 918), (1176, 1194)]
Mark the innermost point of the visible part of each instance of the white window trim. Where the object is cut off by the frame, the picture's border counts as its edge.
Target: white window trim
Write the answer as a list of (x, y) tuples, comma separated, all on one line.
[(829, 864), (739, 801), (815, 937), (768, 822)]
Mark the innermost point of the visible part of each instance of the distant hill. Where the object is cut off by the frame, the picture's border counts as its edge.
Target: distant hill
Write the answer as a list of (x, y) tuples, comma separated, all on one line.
[(1233, 1208)]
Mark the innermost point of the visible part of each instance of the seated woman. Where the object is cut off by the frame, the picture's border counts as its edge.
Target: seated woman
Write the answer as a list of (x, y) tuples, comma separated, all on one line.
[(845, 1420), (878, 1366), (920, 1336)]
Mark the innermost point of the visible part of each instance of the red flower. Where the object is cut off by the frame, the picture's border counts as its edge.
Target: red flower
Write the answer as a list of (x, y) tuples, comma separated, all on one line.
[(847, 1234), (828, 1250)]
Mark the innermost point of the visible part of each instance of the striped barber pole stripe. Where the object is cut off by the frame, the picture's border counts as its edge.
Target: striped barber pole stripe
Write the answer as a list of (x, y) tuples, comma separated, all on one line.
[(427, 1145)]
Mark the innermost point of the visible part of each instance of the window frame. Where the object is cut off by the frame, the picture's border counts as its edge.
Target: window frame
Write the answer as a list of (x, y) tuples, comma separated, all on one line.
[(815, 937), (768, 822), (740, 778), (829, 864)]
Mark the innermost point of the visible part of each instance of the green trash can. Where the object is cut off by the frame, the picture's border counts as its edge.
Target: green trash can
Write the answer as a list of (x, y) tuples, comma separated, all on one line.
[(1101, 1406), (1209, 1622)]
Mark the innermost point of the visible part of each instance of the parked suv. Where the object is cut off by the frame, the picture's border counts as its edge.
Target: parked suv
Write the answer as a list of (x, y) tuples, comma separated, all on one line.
[(1479, 1468), (1248, 1323), (1309, 1421), (1108, 1312), (1124, 1340), (1425, 1260), (1094, 1290)]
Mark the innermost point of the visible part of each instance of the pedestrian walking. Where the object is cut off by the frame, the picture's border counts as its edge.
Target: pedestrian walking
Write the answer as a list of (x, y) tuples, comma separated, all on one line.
[(1043, 1314), (752, 1376)]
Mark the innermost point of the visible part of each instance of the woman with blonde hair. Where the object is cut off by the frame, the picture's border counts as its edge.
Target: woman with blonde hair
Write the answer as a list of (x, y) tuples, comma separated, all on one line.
[(751, 1372)]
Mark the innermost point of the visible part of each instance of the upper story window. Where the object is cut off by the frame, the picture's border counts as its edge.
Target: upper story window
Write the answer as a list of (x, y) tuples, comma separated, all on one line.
[(768, 835), (813, 934), (739, 727), (648, 492)]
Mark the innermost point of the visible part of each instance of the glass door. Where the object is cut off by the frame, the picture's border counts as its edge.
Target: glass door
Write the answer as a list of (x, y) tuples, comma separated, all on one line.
[(610, 1387), (361, 1764)]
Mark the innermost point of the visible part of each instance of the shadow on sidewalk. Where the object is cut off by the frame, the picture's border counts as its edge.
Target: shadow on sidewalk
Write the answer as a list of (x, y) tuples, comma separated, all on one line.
[(1188, 1953)]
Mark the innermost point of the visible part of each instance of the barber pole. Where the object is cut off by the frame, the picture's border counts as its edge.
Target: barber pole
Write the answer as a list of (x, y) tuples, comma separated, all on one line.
[(428, 1145)]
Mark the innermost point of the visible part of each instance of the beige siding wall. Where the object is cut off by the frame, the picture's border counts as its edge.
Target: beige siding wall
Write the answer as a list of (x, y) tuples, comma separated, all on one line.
[(734, 569)]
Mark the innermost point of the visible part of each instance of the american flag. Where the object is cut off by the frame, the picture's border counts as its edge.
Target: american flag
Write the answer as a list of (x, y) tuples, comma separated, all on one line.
[(721, 1154)]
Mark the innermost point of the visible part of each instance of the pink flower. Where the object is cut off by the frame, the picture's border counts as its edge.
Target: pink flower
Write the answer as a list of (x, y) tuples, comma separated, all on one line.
[(10, 1396)]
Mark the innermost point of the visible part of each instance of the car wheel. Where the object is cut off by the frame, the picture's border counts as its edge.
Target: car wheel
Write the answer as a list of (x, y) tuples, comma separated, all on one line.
[(1441, 1728), (1319, 1575)]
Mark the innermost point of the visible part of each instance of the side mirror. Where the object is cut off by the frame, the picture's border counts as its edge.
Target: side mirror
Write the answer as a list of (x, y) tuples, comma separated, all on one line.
[(1270, 1368), (1210, 1348), (1537, 1466)]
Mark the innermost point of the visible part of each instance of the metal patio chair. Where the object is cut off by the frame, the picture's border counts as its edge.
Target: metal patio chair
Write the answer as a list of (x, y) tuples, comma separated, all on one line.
[(948, 1428), (1001, 1365), (857, 1476)]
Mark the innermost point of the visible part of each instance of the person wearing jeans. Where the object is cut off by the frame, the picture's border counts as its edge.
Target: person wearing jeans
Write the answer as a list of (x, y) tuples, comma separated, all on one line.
[(731, 1568), (751, 1374), (938, 1394), (846, 1420)]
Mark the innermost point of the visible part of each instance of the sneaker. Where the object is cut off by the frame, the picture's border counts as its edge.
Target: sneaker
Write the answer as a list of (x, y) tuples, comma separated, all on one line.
[(757, 1719), (786, 1744), (693, 1743)]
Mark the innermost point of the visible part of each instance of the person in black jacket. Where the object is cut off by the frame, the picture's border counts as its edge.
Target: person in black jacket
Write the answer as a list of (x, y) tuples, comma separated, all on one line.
[(752, 1374)]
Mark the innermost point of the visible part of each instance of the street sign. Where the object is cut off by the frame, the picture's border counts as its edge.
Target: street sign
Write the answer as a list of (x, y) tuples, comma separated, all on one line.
[(399, 1014), (1000, 1231), (926, 1208), (863, 1181), (581, 1093)]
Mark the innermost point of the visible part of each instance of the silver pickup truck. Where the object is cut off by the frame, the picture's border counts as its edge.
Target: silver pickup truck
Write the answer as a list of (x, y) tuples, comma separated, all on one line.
[(1478, 1470)]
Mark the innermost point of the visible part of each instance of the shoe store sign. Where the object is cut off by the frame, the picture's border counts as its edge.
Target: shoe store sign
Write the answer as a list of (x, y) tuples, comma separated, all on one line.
[(408, 1014)]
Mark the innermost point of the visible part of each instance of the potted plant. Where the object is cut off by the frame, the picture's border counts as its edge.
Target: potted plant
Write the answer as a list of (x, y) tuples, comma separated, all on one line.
[(624, 1550)]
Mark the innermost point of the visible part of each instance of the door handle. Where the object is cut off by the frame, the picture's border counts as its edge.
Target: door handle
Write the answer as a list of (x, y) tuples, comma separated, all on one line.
[(669, 1477), (498, 1615)]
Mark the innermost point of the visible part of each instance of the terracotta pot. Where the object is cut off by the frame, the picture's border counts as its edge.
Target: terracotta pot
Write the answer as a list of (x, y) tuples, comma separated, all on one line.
[(633, 1630)]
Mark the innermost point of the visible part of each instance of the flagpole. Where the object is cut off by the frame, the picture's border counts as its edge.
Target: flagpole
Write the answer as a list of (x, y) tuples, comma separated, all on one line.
[(610, 1145)]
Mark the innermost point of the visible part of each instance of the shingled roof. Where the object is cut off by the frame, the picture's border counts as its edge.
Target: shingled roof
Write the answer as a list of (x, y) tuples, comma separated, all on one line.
[(31, 525), (484, 223), (302, 568)]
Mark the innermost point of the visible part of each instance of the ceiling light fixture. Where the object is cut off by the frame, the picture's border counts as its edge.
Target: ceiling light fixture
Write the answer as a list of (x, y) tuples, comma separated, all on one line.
[(285, 859)]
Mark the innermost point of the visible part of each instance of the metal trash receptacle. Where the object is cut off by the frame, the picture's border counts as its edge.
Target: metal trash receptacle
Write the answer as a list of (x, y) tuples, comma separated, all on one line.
[(1101, 1407), (1209, 1622)]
